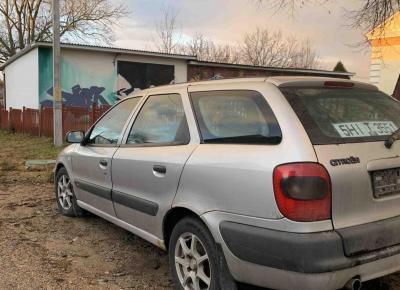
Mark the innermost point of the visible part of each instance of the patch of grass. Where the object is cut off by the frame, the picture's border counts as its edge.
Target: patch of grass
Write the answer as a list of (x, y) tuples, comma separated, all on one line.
[(19, 147)]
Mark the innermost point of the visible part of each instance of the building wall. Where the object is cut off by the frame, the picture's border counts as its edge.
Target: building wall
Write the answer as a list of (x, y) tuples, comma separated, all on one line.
[(385, 66), (385, 54), (21, 81), (92, 76)]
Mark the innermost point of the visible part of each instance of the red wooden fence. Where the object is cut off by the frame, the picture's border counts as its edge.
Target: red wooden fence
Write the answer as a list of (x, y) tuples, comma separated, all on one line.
[(46, 122), (30, 121), (16, 120), (40, 122), (4, 121)]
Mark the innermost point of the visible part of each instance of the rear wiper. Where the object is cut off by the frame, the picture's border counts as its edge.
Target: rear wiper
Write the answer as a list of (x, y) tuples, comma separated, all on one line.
[(392, 138), (249, 139)]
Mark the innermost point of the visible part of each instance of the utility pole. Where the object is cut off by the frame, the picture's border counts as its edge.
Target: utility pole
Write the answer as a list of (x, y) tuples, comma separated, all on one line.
[(57, 103)]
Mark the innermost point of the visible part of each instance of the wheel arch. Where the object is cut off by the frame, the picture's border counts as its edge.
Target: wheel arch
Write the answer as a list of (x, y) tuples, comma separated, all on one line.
[(172, 217), (59, 165)]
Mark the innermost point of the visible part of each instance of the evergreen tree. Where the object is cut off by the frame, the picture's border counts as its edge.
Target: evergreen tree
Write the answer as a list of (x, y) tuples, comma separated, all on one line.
[(339, 67)]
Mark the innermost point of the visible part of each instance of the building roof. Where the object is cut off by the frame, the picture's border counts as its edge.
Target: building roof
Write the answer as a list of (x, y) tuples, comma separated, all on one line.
[(272, 69), (97, 48), (190, 58)]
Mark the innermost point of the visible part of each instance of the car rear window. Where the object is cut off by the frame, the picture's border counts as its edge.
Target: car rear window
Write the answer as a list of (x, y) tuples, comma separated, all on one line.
[(344, 115), (240, 117)]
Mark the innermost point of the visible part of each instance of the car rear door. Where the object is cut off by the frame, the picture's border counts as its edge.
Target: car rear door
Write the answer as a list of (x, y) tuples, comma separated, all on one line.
[(91, 163), (354, 169), (348, 125), (147, 167)]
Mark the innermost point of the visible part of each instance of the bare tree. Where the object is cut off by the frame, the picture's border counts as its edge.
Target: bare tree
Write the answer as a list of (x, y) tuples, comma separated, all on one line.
[(265, 48), (290, 5), (168, 37), (26, 21), (305, 56), (207, 50), (262, 48), (370, 15), (373, 13)]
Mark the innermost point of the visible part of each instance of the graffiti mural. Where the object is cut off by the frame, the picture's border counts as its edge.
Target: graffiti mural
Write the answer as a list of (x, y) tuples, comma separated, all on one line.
[(84, 80), (87, 79), (79, 97)]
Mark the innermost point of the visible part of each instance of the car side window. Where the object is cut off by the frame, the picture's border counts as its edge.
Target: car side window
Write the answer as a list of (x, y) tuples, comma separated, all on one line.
[(242, 117), (109, 129), (161, 120)]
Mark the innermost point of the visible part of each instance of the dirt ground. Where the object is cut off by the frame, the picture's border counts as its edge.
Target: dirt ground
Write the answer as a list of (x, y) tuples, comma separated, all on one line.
[(41, 249)]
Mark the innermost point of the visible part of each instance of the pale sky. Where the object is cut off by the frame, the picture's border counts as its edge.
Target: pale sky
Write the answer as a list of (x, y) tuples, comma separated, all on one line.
[(225, 22)]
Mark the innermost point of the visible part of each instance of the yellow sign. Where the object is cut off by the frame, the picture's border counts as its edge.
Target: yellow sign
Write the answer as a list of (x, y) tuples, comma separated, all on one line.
[(57, 94)]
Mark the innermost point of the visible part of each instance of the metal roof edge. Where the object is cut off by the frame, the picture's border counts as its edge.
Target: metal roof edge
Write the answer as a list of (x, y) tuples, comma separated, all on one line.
[(277, 69), (192, 60), (96, 48), (16, 56)]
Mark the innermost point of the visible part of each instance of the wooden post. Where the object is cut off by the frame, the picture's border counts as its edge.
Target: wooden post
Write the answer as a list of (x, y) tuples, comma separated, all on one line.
[(23, 120), (40, 121), (64, 114), (10, 123), (93, 115), (57, 102)]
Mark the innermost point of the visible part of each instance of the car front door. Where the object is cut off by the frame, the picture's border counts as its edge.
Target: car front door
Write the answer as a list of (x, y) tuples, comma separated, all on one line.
[(91, 163), (147, 167)]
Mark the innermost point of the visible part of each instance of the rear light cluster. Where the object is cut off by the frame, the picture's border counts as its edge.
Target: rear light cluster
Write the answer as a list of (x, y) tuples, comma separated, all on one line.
[(303, 191)]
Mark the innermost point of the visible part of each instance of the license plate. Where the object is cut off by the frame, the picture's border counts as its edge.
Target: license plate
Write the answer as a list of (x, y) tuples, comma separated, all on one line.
[(365, 129), (386, 182)]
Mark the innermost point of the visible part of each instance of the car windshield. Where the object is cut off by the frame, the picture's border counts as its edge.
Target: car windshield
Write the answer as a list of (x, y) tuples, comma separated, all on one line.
[(344, 115)]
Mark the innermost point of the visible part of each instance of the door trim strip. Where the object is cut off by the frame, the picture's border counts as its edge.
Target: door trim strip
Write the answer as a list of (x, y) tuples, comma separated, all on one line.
[(135, 230), (136, 203), (100, 191)]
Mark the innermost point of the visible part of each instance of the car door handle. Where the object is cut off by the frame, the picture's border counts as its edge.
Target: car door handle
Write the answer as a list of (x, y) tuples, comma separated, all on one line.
[(103, 163), (160, 169)]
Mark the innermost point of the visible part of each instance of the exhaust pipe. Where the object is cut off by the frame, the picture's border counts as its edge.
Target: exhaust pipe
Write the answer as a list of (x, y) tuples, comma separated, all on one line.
[(353, 284)]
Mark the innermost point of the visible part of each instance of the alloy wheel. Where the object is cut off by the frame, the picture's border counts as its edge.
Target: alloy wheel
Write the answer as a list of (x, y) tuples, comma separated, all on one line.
[(192, 263), (64, 192)]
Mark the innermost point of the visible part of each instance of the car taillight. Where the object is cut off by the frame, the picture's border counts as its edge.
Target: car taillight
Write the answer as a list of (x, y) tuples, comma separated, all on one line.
[(303, 191)]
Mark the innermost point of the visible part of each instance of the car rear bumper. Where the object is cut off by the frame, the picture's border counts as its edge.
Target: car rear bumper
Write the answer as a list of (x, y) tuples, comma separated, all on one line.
[(284, 260), (299, 252), (274, 278)]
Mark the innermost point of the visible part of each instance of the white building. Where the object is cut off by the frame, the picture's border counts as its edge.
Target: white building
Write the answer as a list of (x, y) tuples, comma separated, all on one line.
[(101, 75), (88, 74)]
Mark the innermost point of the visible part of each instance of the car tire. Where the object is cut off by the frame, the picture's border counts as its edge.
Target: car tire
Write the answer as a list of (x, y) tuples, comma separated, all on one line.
[(65, 196), (194, 256)]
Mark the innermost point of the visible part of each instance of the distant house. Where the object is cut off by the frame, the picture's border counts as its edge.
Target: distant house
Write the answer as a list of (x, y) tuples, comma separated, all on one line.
[(102, 75), (385, 54)]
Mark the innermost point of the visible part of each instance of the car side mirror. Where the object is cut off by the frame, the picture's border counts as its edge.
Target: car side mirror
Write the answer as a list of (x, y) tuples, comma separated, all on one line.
[(75, 137)]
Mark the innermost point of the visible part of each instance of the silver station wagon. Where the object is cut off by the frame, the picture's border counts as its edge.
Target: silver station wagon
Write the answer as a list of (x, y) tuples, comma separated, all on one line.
[(282, 182)]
